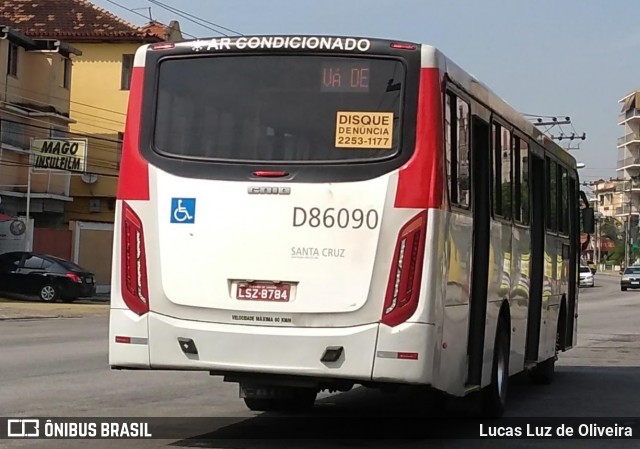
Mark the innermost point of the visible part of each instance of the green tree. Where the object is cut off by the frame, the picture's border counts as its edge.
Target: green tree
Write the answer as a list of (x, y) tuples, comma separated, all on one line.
[(617, 255), (609, 229)]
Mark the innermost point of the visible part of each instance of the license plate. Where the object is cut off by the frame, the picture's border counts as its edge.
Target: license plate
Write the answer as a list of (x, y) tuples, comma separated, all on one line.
[(88, 280), (635, 283), (264, 292)]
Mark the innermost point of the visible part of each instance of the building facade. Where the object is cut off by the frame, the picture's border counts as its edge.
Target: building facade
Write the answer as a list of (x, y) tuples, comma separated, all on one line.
[(629, 155), (34, 103), (97, 97)]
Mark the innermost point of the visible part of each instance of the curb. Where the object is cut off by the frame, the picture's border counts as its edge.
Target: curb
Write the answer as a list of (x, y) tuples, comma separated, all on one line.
[(36, 317), (34, 310)]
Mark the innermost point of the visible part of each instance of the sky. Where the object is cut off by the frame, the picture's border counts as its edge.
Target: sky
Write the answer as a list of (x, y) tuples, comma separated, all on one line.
[(573, 58)]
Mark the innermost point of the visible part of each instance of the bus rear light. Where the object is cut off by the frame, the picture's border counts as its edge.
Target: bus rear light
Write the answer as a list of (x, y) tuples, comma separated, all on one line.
[(403, 46), (270, 174), (163, 46), (134, 286), (403, 289)]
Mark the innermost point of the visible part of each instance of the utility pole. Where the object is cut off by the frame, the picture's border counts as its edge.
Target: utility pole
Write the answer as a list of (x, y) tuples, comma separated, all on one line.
[(598, 227), (628, 240)]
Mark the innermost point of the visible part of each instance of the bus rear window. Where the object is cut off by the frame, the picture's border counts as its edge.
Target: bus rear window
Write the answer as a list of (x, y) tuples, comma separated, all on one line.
[(279, 108)]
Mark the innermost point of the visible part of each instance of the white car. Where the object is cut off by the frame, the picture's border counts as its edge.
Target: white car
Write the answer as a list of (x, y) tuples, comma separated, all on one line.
[(586, 277)]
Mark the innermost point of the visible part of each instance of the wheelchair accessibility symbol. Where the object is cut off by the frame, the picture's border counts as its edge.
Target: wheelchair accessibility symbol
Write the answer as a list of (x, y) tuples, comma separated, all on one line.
[(183, 210)]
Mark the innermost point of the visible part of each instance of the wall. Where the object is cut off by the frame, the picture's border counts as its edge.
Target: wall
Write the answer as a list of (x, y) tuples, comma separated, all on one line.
[(79, 209), (56, 242), (92, 249), (40, 78), (10, 84), (43, 79), (96, 81)]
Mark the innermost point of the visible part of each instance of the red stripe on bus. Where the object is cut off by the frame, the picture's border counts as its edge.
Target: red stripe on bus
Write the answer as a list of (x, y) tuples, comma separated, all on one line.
[(133, 180), (421, 181)]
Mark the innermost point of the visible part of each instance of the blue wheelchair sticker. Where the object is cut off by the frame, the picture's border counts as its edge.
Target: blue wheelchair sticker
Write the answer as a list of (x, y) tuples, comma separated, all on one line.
[(183, 210)]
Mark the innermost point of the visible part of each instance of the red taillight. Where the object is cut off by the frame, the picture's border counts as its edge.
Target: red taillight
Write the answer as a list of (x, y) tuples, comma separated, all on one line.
[(163, 46), (403, 46), (270, 174), (74, 277), (406, 272), (134, 263)]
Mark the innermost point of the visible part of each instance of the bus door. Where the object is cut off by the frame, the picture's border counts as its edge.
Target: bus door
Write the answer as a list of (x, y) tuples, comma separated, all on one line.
[(574, 236), (537, 191), (481, 191)]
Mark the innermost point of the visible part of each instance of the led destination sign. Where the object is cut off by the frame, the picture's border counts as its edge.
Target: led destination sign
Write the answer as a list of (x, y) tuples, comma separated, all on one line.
[(346, 76)]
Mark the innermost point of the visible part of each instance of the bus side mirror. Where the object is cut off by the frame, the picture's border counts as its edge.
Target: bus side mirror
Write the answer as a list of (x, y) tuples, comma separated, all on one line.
[(588, 220)]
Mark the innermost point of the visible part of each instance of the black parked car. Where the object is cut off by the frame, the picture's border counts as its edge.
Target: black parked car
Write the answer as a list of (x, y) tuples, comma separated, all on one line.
[(47, 276)]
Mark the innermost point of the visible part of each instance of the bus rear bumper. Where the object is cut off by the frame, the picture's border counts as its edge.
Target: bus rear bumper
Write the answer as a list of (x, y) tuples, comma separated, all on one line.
[(128, 340), (370, 352), (261, 349)]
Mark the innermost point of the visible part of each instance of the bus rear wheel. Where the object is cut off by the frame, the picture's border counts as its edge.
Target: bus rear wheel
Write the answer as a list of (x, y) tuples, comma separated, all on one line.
[(260, 404), (494, 397)]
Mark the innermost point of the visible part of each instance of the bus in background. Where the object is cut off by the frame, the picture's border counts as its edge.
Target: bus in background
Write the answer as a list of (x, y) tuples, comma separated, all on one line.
[(308, 213)]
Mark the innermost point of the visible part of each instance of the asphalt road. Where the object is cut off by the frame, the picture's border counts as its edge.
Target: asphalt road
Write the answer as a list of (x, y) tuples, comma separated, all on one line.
[(58, 367)]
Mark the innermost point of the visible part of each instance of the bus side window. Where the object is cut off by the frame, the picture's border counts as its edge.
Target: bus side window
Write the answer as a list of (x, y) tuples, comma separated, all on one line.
[(457, 137), (520, 180), (552, 196), (463, 129), (515, 170), (502, 168), (563, 213), (450, 162), (523, 160)]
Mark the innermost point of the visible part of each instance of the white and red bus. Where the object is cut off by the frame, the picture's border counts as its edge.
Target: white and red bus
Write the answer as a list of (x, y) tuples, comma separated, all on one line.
[(308, 213)]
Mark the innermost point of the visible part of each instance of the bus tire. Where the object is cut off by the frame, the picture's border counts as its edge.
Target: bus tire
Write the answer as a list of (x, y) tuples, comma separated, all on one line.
[(260, 404), (303, 399), (494, 396)]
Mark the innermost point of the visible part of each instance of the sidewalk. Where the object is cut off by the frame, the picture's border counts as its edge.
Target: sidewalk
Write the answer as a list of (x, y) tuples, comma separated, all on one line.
[(27, 309)]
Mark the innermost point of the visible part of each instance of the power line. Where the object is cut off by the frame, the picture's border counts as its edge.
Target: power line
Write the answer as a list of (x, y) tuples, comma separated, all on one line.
[(49, 128), (148, 9), (193, 18), (43, 121), (142, 15), (180, 14), (553, 121), (63, 98)]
